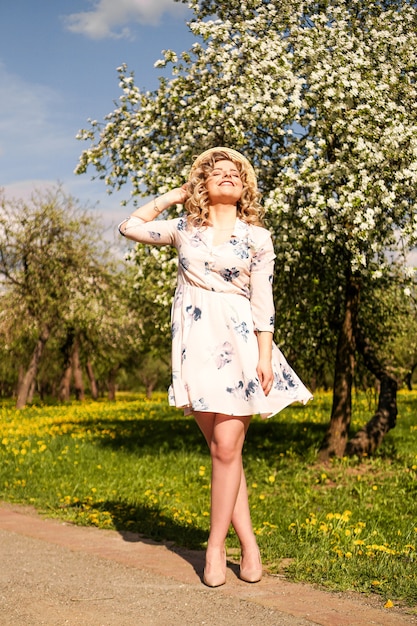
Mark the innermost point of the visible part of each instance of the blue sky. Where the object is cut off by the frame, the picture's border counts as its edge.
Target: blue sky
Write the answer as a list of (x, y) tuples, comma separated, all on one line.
[(58, 65)]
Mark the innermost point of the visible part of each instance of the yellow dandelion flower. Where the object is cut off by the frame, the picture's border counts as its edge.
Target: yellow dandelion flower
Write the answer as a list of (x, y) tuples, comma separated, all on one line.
[(388, 604)]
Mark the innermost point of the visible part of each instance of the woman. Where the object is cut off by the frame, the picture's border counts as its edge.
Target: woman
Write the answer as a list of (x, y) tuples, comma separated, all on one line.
[(225, 366)]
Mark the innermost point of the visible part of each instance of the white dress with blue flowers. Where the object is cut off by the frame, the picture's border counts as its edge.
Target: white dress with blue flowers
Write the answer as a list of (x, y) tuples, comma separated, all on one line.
[(223, 297)]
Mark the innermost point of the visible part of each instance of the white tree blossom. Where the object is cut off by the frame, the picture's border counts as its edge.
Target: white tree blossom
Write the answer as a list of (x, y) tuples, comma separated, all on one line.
[(322, 98)]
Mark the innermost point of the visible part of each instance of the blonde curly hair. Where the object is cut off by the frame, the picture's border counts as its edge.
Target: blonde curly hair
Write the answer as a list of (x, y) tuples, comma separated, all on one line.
[(249, 208)]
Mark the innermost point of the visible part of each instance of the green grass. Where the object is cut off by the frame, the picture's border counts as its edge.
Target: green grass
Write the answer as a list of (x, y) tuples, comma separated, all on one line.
[(139, 465)]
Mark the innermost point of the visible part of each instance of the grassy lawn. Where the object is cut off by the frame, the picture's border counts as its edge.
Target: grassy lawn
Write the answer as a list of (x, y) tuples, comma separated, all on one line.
[(140, 465)]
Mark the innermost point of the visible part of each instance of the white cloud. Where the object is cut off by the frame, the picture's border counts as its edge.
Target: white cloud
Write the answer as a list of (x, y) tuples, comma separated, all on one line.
[(23, 106), (38, 148), (111, 18), (24, 189), (30, 127)]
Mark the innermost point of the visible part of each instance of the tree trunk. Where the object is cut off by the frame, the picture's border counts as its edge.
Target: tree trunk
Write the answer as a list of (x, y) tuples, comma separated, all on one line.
[(31, 393), (111, 383), (77, 371), (65, 384), (30, 374), (20, 377), (409, 377), (367, 440), (92, 379), (150, 381), (150, 386), (334, 442)]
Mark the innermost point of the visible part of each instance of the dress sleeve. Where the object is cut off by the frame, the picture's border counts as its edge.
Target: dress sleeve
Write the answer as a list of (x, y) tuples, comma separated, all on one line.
[(157, 232), (262, 271)]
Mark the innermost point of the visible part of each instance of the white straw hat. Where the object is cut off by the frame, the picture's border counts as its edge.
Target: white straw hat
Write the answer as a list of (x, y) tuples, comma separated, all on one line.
[(233, 155)]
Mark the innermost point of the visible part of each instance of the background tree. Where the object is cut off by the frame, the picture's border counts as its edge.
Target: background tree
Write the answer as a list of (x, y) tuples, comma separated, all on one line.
[(51, 261), (322, 98), (153, 287), (11, 342)]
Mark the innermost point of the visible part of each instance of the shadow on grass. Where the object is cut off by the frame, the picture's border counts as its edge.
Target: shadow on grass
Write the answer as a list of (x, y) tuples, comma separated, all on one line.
[(133, 521), (278, 436), (182, 434)]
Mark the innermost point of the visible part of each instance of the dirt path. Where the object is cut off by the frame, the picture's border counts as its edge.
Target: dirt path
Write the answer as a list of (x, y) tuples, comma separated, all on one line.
[(54, 573)]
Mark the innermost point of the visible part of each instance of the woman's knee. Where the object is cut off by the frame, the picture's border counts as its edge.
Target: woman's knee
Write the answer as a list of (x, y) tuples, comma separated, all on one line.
[(225, 452), (226, 448)]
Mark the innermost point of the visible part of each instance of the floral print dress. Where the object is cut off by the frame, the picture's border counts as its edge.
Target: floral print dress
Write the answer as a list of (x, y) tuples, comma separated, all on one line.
[(223, 297)]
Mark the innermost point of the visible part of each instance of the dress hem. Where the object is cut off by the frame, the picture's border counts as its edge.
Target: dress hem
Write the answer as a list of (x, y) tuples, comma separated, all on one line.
[(188, 409)]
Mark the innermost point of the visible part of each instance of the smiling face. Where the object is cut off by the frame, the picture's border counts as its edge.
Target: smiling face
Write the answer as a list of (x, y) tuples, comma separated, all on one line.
[(222, 179), (224, 184)]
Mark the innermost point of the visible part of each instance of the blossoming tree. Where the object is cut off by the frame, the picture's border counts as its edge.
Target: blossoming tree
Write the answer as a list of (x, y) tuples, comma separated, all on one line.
[(64, 303), (322, 97)]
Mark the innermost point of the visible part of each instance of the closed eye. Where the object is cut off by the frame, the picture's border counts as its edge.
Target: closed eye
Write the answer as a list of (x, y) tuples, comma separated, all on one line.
[(218, 172)]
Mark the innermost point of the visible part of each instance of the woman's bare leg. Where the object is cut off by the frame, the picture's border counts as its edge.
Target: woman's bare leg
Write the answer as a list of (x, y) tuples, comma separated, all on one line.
[(242, 523), (225, 436), (250, 564)]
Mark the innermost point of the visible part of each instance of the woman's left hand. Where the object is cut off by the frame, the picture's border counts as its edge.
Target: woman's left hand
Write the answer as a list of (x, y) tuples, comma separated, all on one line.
[(265, 375)]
